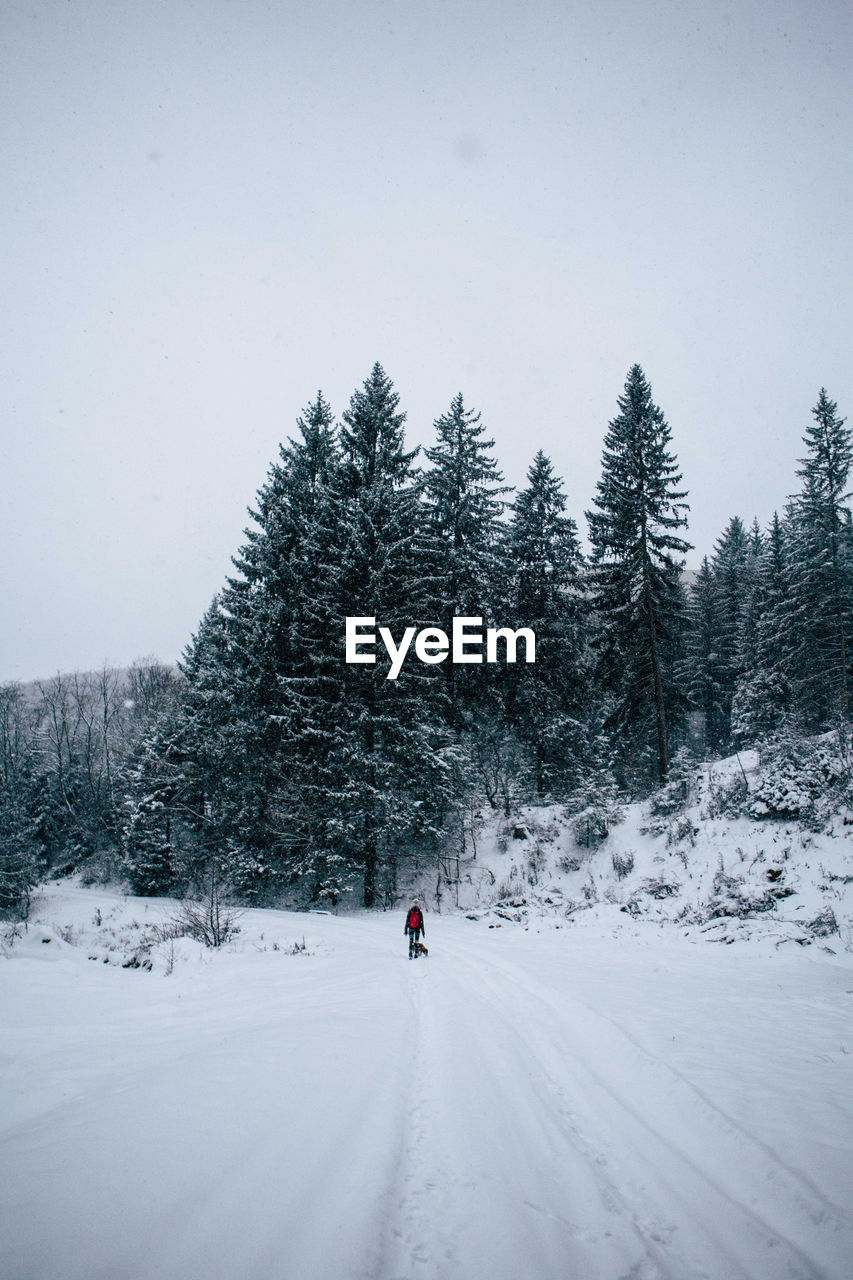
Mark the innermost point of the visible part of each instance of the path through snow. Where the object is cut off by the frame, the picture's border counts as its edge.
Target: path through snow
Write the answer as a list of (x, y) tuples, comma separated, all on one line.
[(548, 1106)]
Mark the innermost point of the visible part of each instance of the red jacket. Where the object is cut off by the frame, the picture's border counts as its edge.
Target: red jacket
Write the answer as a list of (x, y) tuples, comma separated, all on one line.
[(412, 913)]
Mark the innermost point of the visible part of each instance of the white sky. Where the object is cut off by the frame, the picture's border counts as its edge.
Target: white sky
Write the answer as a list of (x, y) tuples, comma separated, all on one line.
[(211, 209)]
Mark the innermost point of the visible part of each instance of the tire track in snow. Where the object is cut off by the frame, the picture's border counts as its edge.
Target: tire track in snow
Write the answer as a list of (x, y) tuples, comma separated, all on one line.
[(670, 1139), (491, 1188), (418, 1238), (626, 1244)]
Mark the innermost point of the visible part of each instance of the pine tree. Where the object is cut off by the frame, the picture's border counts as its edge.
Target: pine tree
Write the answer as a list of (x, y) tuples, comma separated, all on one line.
[(463, 497), (733, 570), (544, 700), (774, 593), (151, 808), (703, 675), (822, 569), (761, 700), (635, 570), (257, 655), (392, 780), (752, 606), (24, 842)]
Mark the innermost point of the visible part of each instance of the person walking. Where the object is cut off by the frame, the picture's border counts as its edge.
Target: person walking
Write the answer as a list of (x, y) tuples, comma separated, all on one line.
[(414, 926)]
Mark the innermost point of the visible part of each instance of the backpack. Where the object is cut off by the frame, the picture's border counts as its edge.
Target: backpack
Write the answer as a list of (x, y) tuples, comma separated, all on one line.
[(414, 918)]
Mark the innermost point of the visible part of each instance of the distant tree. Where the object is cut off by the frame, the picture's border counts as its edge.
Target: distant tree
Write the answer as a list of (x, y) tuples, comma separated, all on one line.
[(23, 837), (703, 673), (182, 781), (734, 570), (636, 569), (545, 701), (753, 604), (761, 700)]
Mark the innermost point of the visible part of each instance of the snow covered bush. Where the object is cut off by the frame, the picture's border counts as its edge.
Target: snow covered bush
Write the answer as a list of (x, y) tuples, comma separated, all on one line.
[(596, 810), (733, 896), (511, 890), (592, 825), (660, 887), (212, 924), (824, 924), (623, 863), (726, 796), (796, 780), (677, 791), (681, 831)]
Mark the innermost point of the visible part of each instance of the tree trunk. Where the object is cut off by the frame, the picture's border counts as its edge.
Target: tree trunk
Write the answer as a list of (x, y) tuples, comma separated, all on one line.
[(371, 862)]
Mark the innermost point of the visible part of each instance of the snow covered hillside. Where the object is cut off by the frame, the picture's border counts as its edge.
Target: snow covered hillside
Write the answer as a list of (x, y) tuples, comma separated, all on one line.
[(735, 850), (594, 1096)]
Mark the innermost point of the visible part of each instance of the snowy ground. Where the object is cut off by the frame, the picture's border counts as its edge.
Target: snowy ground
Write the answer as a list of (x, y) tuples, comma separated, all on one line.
[(603, 1100)]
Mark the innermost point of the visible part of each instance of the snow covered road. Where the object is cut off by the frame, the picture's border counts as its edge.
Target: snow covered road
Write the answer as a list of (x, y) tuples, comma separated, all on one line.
[(551, 1105)]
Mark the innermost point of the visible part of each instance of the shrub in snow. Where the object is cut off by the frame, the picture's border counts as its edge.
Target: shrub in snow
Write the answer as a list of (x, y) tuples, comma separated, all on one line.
[(589, 890), (597, 810), (210, 920), (681, 831), (671, 798), (592, 825), (659, 890), (732, 896), (536, 862), (725, 796), (823, 924), (675, 795), (623, 863), (795, 781), (660, 887)]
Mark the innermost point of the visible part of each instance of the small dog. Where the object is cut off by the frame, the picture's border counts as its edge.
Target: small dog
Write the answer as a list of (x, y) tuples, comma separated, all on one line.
[(420, 949)]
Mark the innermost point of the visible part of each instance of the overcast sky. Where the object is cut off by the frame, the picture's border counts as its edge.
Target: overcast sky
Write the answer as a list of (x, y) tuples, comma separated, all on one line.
[(211, 209)]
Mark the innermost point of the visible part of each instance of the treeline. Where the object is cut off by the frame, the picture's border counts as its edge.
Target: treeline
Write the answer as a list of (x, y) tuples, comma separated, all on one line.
[(273, 760), (69, 749)]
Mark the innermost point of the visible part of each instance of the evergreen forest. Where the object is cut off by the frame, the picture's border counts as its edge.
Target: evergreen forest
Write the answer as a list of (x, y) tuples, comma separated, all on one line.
[(267, 762)]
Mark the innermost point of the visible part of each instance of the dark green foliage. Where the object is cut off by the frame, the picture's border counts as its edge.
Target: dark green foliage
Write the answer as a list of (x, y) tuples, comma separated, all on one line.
[(703, 664), (464, 555), (268, 765), (722, 644), (23, 843), (761, 699), (545, 701), (635, 575), (821, 571), (165, 814), (389, 754)]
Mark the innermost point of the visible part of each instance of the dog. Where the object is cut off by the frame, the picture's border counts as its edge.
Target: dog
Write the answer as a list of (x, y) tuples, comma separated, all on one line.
[(420, 949)]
